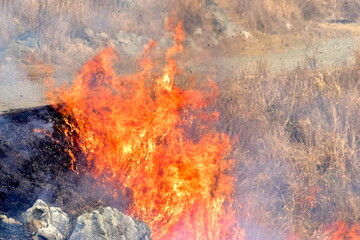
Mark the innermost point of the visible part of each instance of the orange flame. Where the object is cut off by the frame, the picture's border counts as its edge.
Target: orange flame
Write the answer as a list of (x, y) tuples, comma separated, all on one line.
[(340, 230), (142, 132)]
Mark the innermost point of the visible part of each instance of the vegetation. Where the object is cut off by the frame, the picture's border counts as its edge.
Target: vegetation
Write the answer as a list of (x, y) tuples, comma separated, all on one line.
[(298, 150), (272, 16), (56, 21)]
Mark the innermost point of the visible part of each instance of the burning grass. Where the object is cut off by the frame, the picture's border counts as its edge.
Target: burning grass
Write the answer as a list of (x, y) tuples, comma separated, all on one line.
[(157, 142), (295, 149)]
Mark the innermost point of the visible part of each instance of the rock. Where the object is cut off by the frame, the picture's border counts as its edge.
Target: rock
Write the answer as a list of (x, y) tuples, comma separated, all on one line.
[(245, 34), (131, 43), (198, 31), (107, 223), (10, 221), (42, 222), (223, 24), (46, 222), (289, 26), (87, 35)]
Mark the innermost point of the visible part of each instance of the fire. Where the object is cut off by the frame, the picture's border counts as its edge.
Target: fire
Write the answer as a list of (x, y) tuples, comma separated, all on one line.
[(340, 230), (143, 133)]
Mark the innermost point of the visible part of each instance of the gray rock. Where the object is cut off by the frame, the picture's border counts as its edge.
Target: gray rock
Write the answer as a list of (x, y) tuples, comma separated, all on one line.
[(107, 223), (46, 222), (131, 43), (86, 35), (223, 23)]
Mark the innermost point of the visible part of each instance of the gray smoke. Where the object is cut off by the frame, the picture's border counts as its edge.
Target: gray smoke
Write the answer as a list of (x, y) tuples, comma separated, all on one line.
[(15, 90)]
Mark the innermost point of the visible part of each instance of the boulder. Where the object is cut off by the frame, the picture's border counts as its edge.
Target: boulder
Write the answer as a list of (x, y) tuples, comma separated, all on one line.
[(44, 222), (105, 223)]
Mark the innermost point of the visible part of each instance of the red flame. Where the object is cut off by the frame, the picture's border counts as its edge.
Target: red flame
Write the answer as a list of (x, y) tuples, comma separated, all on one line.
[(142, 132)]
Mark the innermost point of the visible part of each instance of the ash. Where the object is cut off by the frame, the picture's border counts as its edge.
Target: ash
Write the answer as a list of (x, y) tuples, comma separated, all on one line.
[(35, 164)]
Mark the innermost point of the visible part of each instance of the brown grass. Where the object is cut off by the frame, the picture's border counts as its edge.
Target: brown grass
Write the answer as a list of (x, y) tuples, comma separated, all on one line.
[(54, 21), (271, 16), (298, 149)]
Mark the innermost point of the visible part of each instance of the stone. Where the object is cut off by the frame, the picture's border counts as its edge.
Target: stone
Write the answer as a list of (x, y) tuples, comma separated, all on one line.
[(8, 220), (46, 222), (198, 31), (132, 44), (246, 34), (87, 35), (106, 223), (223, 24), (289, 26)]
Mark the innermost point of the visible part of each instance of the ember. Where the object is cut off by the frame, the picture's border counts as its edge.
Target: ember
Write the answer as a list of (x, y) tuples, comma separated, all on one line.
[(143, 133)]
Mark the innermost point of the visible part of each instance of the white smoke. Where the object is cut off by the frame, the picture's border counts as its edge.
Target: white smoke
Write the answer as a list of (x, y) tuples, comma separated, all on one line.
[(15, 90)]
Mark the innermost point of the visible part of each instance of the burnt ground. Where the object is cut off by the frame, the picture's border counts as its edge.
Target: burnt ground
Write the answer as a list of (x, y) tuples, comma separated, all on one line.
[(34, 163)]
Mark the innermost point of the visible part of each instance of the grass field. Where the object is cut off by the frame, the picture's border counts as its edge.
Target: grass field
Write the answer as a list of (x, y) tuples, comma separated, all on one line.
[(298, 149)]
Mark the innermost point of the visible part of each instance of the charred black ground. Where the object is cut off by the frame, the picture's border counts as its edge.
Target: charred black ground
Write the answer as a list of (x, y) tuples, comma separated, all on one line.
[(34, 163)]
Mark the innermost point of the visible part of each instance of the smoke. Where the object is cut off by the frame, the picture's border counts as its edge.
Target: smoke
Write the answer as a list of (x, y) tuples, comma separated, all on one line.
[(15, 90), (42, 40), (65, 34)]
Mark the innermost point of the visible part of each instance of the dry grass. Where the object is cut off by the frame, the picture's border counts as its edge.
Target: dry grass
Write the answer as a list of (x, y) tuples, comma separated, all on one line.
[(56, 24), (271, 16), (55, 21), (298, 149)]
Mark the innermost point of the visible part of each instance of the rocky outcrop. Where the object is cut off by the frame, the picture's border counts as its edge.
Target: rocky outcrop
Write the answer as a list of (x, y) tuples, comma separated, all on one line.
[(44, 222), (103, 223), (107, 223), (130, 43)]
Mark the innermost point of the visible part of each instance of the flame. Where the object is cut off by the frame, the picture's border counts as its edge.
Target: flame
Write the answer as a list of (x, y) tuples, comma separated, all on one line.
[(340, 230), (142, 132)]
